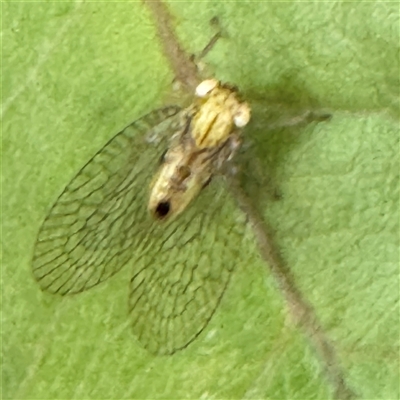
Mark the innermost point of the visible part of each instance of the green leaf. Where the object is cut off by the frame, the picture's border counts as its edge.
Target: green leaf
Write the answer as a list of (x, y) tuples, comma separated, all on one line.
[(75, 73)]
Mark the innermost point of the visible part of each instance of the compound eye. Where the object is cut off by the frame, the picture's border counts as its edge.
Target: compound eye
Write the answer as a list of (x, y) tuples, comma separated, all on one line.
[(205, 87), (242, 115)]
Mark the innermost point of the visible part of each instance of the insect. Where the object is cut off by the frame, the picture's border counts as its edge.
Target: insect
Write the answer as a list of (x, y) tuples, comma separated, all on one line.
[(152, 197)]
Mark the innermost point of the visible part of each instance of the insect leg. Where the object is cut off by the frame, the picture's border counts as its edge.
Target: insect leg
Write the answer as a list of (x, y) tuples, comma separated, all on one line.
[(305, 118), (210, 45)]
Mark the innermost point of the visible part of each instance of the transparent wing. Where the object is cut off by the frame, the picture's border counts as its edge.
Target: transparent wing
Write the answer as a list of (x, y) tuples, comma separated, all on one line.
[(184, 269), (98, 221)]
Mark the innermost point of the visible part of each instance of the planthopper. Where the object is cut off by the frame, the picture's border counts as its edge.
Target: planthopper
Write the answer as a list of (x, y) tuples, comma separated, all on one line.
[(154, 198)]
